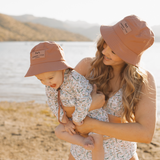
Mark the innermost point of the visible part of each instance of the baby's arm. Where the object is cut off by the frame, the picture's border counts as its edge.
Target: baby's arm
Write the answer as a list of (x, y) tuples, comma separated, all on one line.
[(81, 91), (86, 142), (86, 97)]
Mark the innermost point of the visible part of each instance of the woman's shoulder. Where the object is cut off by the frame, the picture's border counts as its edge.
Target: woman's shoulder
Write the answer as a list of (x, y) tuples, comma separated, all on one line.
[(151, 84), (84, 65), (150, 78)]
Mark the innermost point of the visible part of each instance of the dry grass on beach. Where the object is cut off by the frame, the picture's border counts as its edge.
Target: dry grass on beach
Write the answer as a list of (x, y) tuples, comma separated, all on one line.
[(27, 133)]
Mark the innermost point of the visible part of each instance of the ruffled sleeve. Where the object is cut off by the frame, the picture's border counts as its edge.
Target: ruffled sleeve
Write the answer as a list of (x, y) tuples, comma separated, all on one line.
[(82, 91)]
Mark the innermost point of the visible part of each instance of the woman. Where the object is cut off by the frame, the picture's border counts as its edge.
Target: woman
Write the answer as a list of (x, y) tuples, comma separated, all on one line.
[(129, 91)]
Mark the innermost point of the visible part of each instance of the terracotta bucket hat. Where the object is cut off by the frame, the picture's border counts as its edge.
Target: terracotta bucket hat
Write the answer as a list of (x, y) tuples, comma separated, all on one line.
[(46, 57), (128, 38)]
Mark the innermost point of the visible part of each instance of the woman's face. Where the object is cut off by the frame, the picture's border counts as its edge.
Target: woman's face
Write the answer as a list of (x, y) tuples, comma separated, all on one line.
[(110, 58)]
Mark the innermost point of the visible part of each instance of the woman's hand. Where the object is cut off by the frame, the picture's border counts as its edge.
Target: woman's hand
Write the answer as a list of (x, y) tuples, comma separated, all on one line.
[(86, 127), (98, 99)]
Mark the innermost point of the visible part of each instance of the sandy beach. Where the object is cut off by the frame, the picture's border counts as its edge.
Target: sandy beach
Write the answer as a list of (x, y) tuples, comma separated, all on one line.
[(27, 133)]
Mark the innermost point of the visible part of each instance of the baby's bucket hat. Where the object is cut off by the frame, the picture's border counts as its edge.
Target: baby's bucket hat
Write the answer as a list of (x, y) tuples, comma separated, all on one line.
[(46, 57), (128, 38)]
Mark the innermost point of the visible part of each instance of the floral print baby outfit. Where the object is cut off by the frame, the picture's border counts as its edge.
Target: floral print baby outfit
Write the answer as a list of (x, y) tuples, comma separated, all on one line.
[(75, 91)]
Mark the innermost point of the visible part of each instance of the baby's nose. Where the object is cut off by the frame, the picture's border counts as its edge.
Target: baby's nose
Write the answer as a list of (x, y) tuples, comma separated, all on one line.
[(48, 83)]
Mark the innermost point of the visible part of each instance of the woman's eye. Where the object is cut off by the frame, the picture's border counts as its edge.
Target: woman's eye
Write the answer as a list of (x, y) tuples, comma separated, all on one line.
[(113, 52)]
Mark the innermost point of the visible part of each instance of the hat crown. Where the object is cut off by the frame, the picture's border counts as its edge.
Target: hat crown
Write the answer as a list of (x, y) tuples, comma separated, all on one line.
[(46, 52), (46, 57), (134, 34), (128, 38)]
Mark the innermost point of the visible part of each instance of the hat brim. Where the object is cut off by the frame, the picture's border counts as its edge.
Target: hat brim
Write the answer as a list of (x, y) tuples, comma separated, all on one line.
[(115, 43), (47, 67)]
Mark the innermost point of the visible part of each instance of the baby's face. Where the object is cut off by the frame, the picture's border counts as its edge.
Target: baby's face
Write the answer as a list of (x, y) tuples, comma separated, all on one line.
[(52, 79)]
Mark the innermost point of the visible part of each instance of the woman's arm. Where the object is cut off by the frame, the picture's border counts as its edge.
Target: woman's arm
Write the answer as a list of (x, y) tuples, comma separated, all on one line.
[(140, 131)]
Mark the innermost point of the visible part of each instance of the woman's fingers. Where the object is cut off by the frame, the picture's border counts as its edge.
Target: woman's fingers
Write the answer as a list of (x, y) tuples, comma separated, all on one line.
[(95, 87), (99, 92), (94, 91)]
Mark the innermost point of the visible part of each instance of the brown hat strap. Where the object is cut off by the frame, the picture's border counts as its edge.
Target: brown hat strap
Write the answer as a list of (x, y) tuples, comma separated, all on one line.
[(60, 105)]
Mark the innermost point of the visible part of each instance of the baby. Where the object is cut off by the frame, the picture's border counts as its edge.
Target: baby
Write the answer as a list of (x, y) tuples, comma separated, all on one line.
[(66, 88)]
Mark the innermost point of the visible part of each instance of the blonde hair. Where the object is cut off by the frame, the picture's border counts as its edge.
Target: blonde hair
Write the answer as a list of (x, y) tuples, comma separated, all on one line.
[(132, 80)]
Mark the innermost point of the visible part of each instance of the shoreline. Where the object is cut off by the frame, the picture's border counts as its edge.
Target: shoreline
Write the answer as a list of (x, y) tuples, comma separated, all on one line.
[(27, 133)]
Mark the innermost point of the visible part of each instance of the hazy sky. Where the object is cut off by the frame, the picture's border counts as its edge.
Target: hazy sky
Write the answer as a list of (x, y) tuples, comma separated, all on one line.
[(91, 11)]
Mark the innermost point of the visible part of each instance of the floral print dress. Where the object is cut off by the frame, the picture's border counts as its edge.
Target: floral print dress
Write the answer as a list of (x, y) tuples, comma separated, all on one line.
[(115, 149)]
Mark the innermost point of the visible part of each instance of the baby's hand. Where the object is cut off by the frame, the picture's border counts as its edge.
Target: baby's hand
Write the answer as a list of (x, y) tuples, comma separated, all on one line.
[(69, 127)]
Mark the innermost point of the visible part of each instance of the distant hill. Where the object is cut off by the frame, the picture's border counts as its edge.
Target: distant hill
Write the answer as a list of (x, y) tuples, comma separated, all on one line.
[(88, 30), (13, 30)]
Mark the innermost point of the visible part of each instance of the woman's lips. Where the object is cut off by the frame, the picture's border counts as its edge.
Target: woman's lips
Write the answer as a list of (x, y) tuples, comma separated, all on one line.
[(106, 58), (53, 85)]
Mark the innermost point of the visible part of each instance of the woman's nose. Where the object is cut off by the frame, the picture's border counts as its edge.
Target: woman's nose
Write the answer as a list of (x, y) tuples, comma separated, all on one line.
[(105, 50)]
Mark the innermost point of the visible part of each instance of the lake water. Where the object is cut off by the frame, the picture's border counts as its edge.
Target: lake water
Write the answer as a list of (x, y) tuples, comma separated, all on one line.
[(14, 63)]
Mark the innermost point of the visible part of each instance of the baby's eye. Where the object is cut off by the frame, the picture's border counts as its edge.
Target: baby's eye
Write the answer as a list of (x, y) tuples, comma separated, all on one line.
[(50, 78)]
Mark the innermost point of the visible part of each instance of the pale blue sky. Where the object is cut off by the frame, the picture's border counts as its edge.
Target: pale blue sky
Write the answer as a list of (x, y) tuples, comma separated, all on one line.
[(91, 11)]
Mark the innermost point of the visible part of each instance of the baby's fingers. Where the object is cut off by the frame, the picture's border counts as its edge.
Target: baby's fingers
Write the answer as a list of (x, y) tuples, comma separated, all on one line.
[(73, 131), (70, 132), (73, 126)]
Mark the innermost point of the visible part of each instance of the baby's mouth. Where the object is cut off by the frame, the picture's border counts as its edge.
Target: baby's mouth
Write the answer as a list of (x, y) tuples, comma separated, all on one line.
[(53, 85)]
